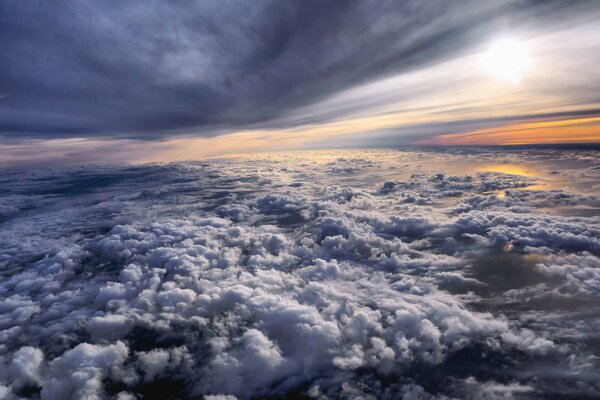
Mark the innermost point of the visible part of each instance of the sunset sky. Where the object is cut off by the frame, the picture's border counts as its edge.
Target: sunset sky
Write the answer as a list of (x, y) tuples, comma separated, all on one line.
[(299, 199), (113, 81)]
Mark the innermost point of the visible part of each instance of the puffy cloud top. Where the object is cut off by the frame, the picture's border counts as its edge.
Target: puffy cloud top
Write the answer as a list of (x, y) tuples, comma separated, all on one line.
[(219, 279)]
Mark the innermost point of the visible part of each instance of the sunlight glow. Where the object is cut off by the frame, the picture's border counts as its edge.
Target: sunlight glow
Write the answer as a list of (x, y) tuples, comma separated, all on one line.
[(507, 60), (512, 169)]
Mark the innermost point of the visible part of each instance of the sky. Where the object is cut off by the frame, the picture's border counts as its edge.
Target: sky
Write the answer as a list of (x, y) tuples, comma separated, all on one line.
[(149, 81), (333, 199)]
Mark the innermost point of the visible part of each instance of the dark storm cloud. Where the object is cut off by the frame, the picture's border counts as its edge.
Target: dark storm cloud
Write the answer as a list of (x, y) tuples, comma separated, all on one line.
[(148, 69)]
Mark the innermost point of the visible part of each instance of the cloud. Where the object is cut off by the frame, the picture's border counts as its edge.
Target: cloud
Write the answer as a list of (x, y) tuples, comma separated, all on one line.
[(211, 69), (25, 367), (79, 372), (216, 278)]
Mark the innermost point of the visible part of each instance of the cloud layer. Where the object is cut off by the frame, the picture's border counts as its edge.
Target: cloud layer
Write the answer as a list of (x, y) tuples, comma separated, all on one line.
[(150, 70), (359, 274)]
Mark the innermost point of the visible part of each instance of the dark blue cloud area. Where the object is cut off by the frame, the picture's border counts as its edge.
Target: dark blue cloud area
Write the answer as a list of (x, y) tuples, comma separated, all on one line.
[(153, 69), (334, 274)]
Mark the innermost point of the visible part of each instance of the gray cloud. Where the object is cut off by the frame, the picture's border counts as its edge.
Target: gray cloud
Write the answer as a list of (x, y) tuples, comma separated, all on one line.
[(151, 69)]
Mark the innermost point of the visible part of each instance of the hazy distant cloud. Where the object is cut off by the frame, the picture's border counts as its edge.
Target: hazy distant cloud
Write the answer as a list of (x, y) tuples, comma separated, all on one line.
[(149, 69)]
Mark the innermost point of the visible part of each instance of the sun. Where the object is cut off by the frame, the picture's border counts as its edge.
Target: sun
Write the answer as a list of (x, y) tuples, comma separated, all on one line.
[(507, 60)]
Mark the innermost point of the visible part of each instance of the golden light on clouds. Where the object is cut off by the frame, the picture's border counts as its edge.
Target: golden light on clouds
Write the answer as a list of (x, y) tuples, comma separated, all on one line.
[(512, 169)]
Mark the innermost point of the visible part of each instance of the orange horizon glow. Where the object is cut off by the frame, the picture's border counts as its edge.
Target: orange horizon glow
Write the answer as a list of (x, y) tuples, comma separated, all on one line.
[(575, 130)]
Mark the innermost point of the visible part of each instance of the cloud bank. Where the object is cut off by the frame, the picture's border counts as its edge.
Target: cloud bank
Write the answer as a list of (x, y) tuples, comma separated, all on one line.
[(360, 274), (151, 70)]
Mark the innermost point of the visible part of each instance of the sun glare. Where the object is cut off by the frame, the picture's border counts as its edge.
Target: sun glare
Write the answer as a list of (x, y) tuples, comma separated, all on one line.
[(507, 60)]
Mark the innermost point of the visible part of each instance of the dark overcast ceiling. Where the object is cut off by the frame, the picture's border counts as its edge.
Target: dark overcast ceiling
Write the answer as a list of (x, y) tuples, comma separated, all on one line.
[(150, 69)]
